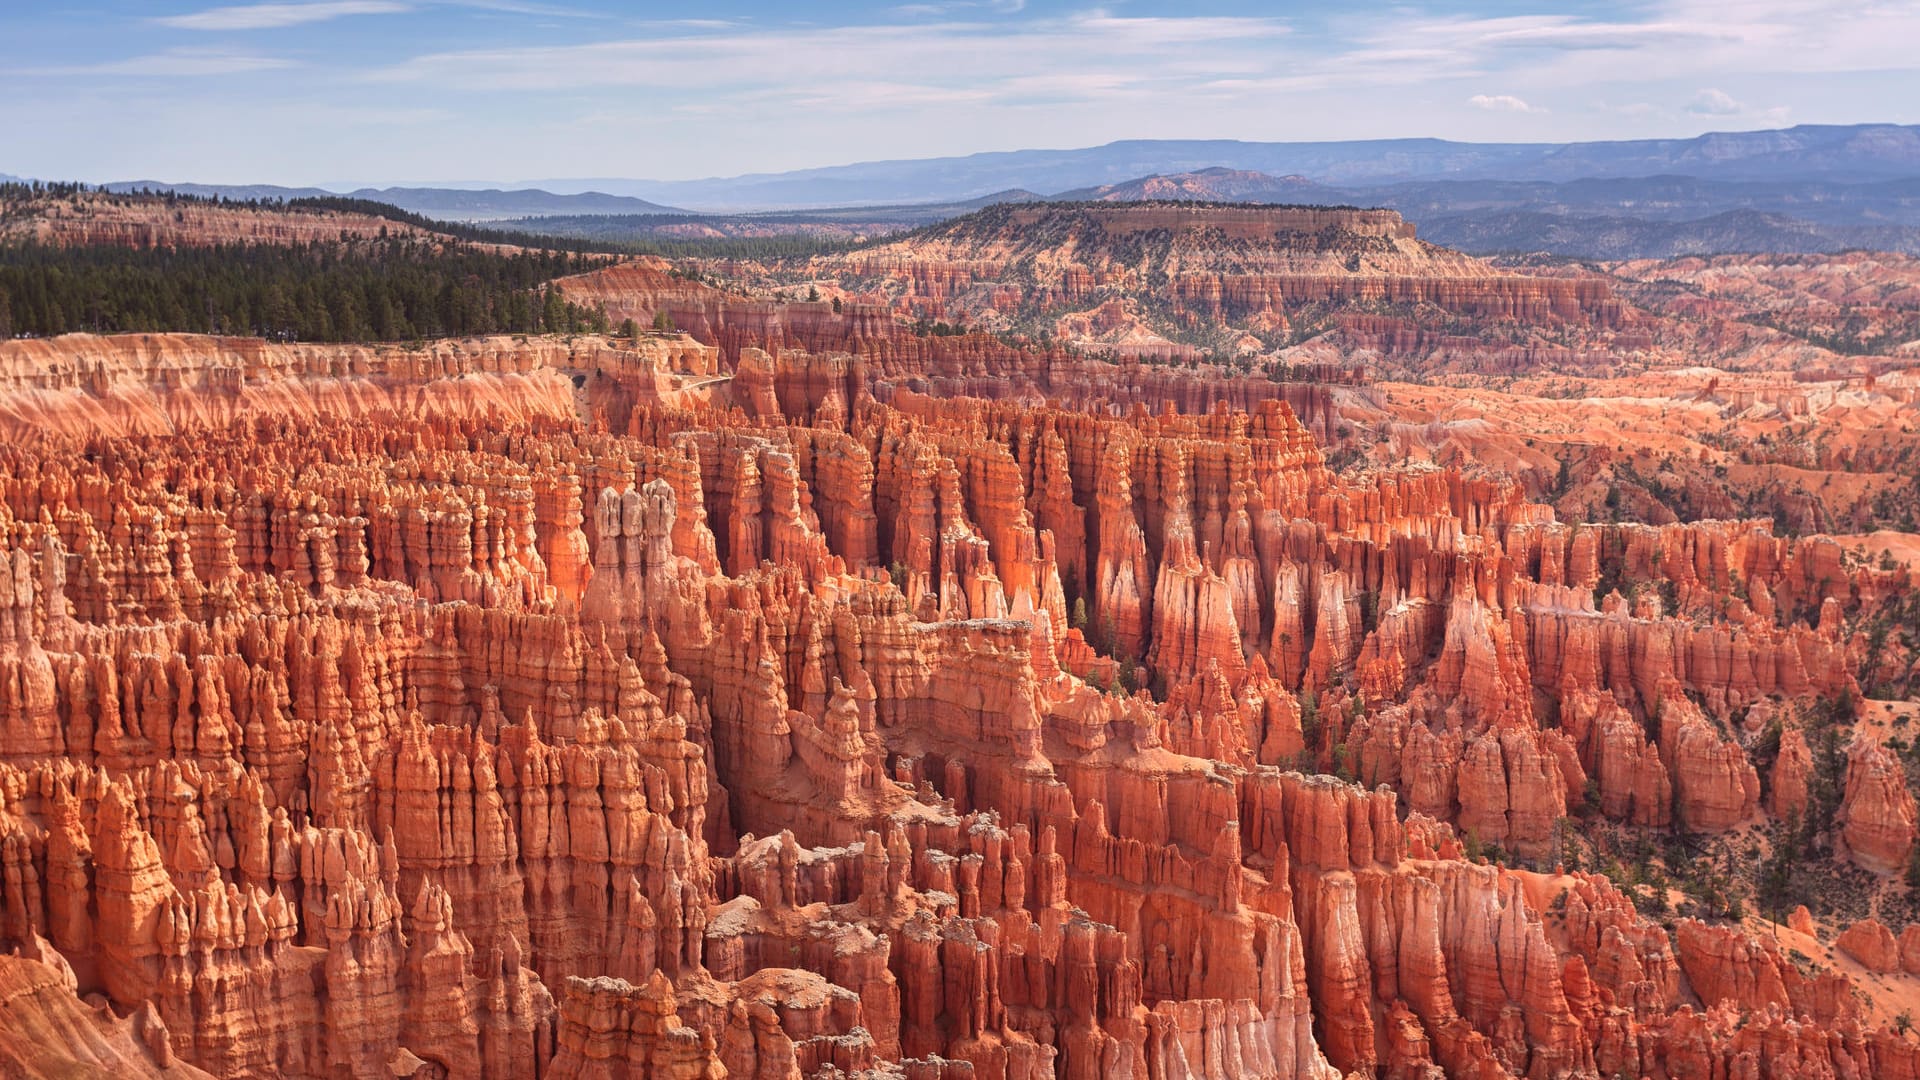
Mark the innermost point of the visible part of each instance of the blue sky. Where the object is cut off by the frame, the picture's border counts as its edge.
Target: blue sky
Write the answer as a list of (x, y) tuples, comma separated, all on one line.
[(330, 91)]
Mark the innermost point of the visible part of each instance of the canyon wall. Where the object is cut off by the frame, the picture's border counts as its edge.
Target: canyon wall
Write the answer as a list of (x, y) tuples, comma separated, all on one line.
[(855, 724)]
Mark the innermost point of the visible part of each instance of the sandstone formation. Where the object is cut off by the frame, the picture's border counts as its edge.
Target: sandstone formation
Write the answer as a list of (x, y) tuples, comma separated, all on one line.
[(1871, 943), (47, 1033), (806, 697), (1878, 813), (1245, 266)]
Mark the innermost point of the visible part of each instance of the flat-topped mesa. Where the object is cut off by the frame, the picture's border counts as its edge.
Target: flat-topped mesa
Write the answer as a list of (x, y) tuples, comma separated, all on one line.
[(1232, 222), (1098, 269), (1092, 246), (1129, 281)]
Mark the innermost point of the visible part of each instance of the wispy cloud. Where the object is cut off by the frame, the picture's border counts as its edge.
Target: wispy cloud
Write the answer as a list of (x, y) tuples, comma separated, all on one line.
[(1502, 103), (982, 60), (1571, 34), (802, 85), (1712, 102), (945, 8), (279, 16), (173, 63), (525, 7), (951, 55), (1674, 38)]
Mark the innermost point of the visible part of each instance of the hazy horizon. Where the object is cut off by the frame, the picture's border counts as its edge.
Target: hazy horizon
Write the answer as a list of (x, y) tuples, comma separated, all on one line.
[(438, 92), (576, 184)]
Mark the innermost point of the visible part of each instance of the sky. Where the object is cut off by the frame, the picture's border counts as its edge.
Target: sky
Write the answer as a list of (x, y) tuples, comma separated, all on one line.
[(338, 92)]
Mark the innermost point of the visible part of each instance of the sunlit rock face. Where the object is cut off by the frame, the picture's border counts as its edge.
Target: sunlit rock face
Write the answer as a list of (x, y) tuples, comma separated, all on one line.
[(507, 708)]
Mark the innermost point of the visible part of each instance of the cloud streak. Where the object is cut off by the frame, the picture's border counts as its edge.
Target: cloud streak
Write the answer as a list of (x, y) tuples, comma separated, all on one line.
[(174, 63), (1086, 57), (796, 87), (1712, 102), (279, 16), (1502, 103)]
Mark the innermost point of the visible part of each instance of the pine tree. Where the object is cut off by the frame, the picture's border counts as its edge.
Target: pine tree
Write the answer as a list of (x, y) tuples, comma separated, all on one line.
[(1310, 720), (355, 291)]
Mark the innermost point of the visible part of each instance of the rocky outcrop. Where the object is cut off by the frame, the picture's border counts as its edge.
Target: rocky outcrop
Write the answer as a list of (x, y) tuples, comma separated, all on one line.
[(1791, 771), (46, 1032), (1871, 943), (151, 384), (689, 738), (1272, 260), (1716, 787), (1878, 814)]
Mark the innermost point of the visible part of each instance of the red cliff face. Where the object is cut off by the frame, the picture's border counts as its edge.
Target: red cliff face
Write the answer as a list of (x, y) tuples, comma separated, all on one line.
[(1096, 270), (148, 384), (884, 355), (1138, 281), (584, 732), (1878, 813)]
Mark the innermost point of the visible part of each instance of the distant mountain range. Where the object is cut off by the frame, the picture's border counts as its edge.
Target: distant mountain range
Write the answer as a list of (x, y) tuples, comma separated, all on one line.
[(446, 204), (1217, 184), (1857, 152), (1838, 153), (1599, 236), (843, 222), (1813, 187), (1641, 217)]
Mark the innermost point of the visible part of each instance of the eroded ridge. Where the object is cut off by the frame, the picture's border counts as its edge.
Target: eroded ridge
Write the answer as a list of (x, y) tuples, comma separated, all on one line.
[(782, 728)]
